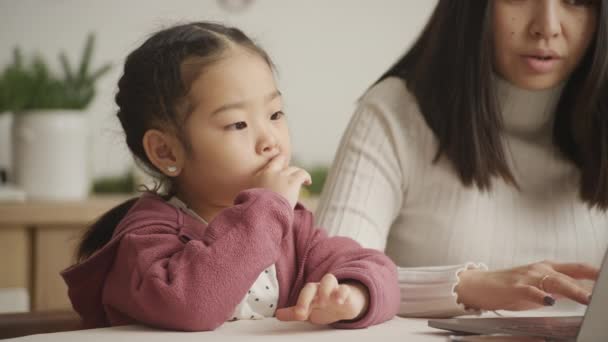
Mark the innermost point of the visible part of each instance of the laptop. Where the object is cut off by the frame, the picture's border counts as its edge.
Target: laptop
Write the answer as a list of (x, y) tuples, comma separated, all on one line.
[(592, 327)]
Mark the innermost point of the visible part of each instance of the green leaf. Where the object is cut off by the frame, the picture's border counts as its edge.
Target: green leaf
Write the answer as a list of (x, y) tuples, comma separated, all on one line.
[(86, 57), (67, 69), (118, 184), (100, 72), (28, 83)]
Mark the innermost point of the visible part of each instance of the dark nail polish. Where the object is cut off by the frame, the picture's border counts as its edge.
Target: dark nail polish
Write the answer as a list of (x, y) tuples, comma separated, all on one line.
[(549, 301)]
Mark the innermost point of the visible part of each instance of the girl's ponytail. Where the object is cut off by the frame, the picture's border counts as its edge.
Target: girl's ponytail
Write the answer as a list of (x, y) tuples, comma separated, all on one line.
[(100, 232)]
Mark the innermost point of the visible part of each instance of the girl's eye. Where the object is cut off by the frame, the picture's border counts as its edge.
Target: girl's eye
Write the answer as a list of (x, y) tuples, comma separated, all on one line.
[(277, 115), (237, 126)]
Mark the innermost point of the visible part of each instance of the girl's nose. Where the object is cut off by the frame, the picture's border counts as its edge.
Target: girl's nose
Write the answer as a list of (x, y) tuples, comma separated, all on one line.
[(267, 143), (546, 23)]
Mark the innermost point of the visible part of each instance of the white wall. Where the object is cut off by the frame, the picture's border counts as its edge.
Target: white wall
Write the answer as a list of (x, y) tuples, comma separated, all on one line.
[(327, 52)]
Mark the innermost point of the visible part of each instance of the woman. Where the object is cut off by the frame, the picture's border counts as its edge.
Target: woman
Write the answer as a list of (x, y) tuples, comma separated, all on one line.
[(486, 144)]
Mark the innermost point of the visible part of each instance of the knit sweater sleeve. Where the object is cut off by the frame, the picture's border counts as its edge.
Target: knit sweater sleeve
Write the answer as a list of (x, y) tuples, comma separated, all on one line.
[(194, 285), (368, 186), (430, 291), (318, 255)]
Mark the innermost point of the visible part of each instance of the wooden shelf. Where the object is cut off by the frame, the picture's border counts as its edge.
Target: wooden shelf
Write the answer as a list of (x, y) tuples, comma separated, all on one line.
[(52, 213), (38, 240), (56, 212)]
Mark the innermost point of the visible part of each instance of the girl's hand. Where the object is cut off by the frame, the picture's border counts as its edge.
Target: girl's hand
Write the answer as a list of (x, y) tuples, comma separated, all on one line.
[(327, 302), (525, 287), (282, 179)]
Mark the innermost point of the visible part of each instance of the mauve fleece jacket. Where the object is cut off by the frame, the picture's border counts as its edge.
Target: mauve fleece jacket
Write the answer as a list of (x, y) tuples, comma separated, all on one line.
[(164, 268)]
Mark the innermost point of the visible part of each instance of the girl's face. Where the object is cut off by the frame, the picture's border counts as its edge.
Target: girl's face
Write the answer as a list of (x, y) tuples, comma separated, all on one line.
[(236, 127), (539, 43)]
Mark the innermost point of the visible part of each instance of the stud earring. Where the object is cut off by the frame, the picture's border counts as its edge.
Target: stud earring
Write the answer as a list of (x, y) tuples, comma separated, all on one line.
[(171, 168)]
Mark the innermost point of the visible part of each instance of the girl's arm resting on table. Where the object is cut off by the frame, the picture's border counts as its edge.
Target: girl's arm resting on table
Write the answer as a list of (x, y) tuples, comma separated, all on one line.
[(196, 285), (350, 264)]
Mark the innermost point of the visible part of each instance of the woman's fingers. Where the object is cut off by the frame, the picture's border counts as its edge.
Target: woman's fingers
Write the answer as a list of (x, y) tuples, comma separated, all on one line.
[(565, 286), (577, 270), (536, 295)]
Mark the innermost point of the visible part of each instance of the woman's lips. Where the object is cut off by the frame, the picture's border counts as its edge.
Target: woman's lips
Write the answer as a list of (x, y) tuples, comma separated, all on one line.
[(541, 65)]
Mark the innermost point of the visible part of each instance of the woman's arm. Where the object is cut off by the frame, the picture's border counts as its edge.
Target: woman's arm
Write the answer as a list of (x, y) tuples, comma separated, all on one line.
[(367, 187), (431, 291)]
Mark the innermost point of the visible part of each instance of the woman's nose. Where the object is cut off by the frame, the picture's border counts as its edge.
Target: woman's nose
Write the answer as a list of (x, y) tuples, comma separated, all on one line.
[(546, 23)]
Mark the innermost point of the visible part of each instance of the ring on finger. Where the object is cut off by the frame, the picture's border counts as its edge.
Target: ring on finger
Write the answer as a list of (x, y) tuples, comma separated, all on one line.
[(541, 283)]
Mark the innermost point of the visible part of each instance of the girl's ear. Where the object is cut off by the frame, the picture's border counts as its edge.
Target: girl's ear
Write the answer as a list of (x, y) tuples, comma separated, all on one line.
[(164, 151)]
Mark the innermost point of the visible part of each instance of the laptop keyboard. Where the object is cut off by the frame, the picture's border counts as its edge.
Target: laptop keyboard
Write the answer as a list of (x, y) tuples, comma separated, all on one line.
[(541, 326)]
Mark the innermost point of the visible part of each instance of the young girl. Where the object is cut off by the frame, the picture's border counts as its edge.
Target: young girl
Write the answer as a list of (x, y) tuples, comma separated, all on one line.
[(201, 110)]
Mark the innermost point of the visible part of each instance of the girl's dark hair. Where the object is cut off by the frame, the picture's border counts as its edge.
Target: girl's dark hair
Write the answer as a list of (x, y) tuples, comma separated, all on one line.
[(152, 94), (457, 98)]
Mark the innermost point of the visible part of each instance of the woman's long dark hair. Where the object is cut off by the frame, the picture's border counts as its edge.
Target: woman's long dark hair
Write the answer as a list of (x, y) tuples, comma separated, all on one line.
[(457, 98), (152, 94)]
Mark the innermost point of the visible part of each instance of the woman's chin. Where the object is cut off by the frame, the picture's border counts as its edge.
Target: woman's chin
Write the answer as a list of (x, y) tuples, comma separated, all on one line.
[(536, 82)]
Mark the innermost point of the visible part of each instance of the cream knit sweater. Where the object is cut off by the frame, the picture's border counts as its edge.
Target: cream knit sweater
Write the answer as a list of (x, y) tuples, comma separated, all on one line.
[(384, 192)]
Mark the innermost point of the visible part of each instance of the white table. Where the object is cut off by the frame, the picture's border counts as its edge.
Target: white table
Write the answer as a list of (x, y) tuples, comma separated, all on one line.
[(270, 329)]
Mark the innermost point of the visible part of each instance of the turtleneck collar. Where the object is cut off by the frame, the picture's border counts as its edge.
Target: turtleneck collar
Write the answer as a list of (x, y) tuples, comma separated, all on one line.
[(528, 118), (527, 114)]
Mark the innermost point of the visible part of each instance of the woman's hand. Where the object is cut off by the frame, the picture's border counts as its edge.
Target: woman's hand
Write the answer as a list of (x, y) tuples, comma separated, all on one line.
[(282, 179), (525, 287), (327, 302)]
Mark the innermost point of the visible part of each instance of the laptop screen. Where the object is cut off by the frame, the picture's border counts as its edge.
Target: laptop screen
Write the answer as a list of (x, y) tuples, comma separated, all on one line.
[(595, 324)]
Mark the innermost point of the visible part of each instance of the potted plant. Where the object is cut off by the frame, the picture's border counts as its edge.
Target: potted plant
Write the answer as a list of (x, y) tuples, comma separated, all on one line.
[(5, 136), (50, 131)]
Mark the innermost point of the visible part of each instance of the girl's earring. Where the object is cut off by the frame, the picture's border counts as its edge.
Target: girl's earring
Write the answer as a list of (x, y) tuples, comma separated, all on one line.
[(171, 168)]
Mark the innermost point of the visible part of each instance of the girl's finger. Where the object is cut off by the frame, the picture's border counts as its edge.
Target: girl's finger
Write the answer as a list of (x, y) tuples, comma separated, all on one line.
[(577, 270), (307, 294), (341, 294), (276, 164), (301, 177), (327, 286), (286, 314), (291, 170)]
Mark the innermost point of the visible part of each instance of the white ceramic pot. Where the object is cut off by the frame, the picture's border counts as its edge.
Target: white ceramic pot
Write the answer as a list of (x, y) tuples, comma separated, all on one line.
[(6, 122), (50, 154)]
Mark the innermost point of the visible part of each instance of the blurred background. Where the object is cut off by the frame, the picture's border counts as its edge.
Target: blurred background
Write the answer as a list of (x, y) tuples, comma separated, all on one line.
[(327, 54)]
